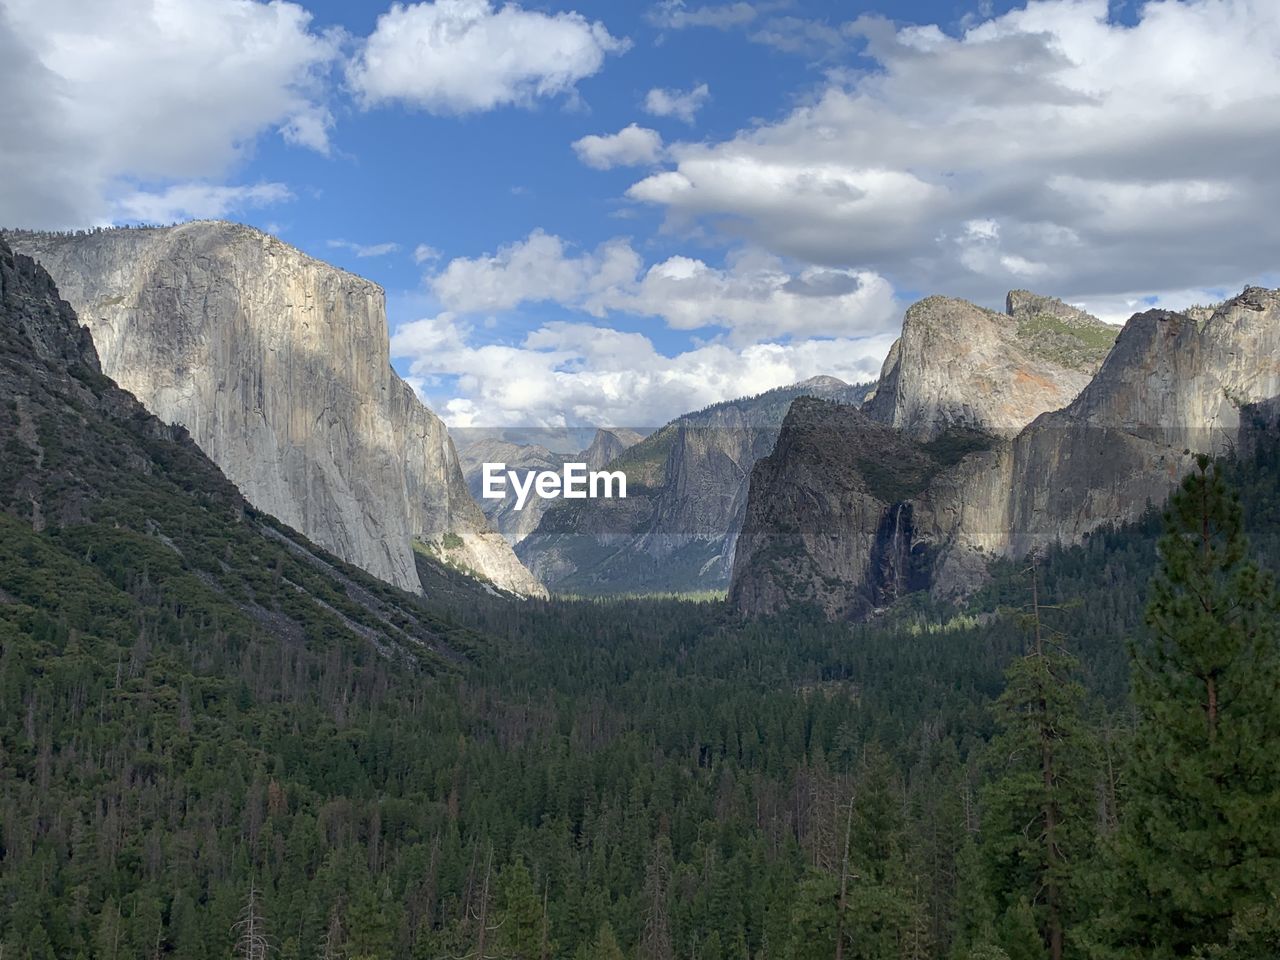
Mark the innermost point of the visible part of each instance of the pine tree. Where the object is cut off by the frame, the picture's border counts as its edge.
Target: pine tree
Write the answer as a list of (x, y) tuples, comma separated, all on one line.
[(520, 911), (1039, 807), (606, 945), (1198, 848)]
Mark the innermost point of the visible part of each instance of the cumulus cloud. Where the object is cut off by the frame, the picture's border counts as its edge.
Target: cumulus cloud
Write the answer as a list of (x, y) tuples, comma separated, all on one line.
[(425, 253), (86, 118), (683, 104), (754, 297), (363, 250), (759, 323), (570, 374), (631, 146), (200, 201), (1099, 158), (465, 56), (538, 268)]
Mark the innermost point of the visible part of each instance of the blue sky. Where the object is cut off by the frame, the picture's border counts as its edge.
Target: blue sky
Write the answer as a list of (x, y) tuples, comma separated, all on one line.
[(596, 212)]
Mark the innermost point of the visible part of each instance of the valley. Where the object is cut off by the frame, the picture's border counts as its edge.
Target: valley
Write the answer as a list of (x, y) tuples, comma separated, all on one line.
[(209, 714)]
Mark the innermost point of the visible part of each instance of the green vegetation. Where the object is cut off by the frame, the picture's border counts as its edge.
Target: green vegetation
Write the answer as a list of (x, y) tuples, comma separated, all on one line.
[(955, 443), (1081, 346), (689, 780), (899, 478), (645, 463)]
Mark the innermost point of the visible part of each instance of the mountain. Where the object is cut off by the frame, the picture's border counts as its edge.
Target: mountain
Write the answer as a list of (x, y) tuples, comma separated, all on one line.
[(278, 365), (961, 365), (686, 495), (113, 522), (515, 525), (854, 509)]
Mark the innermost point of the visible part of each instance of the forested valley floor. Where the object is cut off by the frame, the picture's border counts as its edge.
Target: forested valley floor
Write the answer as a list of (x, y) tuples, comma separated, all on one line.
[(199, 759)]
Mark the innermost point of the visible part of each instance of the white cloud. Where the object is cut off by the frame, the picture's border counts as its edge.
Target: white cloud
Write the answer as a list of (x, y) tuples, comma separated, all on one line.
[(762, 325), (677, 15), (754, 297), (757, 298), (799, 35), (538, 268), (630, 147), (464, 56), (309, 127), (363, 250), (1111, 157), (198, 201), (425, 253), (102, 96), (569, 374), (683, 104)]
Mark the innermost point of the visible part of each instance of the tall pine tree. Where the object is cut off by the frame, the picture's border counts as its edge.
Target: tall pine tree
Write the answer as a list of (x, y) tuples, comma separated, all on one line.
[(1038, 808), (1198, 851)]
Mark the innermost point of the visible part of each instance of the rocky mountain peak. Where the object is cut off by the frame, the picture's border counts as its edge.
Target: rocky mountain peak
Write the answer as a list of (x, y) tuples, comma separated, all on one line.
[(46, 322), (957, 364), (822, 382), (608, 445), (1021, 304)]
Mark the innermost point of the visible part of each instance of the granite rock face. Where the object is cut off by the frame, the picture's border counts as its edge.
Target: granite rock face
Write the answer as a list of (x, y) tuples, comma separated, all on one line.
[(278, 366), (865, 517), (960, 365), (1174, 386), (828, 523), (686, 500)]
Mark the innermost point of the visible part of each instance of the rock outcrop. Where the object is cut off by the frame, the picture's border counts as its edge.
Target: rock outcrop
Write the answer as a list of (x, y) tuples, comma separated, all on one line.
[(278, 365), (889, 513), (686, 499)]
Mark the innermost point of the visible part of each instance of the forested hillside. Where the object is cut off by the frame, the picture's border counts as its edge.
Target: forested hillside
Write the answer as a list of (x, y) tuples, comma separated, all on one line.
[(212, 734)]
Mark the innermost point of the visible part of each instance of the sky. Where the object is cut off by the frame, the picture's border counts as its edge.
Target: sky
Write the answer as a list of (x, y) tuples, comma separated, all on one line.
[(612, 213)]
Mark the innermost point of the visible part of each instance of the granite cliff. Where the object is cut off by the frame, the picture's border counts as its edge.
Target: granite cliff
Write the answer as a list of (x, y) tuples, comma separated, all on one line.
[(278, 366), (686, 498), (961, 365), (116, 521), (847, 516)]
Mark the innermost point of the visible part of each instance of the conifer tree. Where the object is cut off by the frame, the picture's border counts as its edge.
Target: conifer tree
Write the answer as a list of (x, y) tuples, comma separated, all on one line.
[(1198, 849), (520, 909), (1038, 808)]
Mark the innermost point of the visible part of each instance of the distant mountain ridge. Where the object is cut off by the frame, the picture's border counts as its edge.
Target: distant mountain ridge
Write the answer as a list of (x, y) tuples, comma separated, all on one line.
[(687, 486), (278, 365), (515, 525)]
